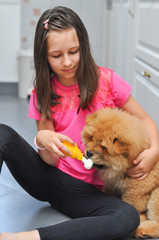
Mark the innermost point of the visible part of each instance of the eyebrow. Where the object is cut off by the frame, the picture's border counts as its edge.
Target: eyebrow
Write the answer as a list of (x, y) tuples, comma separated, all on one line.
[(60, 50)]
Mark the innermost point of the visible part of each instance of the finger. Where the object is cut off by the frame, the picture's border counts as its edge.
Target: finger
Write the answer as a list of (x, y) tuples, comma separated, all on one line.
[(63, 137), (133, 170), (142, 177), (137, 160), (139, 168), (57, 151), (59, 148), (138, 175), (65, 150)]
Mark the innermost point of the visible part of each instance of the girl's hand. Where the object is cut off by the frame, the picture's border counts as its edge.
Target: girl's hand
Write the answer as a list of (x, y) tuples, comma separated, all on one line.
[(143, 164), (52, 141)]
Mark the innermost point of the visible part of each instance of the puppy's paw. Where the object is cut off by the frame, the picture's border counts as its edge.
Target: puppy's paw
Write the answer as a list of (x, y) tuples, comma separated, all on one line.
[(147, 229)]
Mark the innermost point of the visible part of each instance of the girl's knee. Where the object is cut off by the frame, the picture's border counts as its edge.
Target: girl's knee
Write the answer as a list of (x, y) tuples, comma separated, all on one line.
[(130, 217), (125, 221)]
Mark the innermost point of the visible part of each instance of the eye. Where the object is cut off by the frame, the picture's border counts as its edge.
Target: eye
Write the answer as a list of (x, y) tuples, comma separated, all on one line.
[(125, 155), (104, 148), (56, 56), (114, 140), (73, 52)]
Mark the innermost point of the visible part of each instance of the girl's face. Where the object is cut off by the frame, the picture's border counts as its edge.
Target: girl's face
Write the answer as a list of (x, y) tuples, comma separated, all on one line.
[(63, 55)]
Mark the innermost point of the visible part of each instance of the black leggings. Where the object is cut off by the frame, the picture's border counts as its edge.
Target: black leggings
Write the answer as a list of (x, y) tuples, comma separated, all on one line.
[(94, 214)]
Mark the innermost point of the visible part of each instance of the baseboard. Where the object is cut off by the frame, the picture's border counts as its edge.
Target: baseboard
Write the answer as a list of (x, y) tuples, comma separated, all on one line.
[(8, 88)]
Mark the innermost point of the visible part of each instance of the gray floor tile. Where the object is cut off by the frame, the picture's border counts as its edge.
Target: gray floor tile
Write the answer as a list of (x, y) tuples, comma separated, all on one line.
[(22, 212), (4, 190), (6, 179)]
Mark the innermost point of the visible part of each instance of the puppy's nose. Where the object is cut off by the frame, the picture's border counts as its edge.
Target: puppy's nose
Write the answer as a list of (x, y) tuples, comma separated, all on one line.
[(89, 154)]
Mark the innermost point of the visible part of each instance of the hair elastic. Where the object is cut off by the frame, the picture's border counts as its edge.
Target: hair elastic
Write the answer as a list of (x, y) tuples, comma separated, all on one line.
[(46, 26), (35, 143)]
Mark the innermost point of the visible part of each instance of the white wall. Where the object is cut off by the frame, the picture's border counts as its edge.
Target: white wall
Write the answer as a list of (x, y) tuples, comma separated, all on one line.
[(9, 40), (90, 11)]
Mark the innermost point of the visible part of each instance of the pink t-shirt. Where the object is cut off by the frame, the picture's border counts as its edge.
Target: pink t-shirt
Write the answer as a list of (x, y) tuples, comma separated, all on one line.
[(112, 91)]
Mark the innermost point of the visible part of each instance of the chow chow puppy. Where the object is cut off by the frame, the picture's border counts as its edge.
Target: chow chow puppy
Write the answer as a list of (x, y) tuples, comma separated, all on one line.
[(113, 139)]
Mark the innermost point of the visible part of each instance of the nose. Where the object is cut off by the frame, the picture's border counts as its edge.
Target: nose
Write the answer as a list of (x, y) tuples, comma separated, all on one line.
[(67, 61), (89, 154)]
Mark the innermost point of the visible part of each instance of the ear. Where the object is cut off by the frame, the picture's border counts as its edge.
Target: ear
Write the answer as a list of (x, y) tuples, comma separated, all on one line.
[(119, 147), (91, 117)]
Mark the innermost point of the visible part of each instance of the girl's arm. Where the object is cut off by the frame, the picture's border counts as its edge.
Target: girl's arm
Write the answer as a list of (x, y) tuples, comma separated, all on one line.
[(145, 160), (52, 141)]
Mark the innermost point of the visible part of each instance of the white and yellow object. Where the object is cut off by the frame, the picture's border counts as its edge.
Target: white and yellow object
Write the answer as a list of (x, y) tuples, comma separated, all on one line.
[(77, 154)]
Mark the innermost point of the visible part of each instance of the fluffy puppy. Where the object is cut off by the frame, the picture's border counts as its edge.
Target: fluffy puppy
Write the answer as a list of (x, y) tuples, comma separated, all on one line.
[(113, 139)]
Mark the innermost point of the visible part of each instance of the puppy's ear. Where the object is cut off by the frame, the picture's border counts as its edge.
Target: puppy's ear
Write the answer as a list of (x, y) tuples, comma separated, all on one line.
[(91, 117), (119, 147)]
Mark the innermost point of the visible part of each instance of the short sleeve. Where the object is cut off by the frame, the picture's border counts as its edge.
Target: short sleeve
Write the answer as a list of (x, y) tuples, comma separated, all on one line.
[(33, 112), (120, 89)]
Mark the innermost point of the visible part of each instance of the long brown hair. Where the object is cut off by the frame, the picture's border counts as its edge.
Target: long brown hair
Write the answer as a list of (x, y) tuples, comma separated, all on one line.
[(87, 74)]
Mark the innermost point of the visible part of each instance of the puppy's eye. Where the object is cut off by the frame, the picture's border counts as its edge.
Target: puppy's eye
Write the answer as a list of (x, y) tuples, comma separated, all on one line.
[(114, 140), (125, 155), (104, 148)]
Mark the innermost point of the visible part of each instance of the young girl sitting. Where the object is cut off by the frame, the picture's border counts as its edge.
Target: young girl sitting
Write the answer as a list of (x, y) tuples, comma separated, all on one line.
[(68, 86)]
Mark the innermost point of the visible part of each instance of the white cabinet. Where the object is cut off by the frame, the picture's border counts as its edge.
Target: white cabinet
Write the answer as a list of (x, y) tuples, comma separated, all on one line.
[(147, 57), (133, 48)]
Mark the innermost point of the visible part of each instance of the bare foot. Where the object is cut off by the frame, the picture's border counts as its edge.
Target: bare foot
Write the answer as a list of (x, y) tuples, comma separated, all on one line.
[(31, 235)]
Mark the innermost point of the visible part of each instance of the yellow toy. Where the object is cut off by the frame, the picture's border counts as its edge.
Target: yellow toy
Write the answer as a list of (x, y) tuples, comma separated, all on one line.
[(77, 154)]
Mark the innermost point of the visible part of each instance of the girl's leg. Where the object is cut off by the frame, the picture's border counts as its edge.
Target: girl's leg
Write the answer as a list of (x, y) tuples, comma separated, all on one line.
[(38, 178), (98, 216), (27, 168), (107, 218)]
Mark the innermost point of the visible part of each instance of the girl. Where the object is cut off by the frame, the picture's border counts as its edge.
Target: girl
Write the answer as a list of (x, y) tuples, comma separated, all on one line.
[(68, 86)]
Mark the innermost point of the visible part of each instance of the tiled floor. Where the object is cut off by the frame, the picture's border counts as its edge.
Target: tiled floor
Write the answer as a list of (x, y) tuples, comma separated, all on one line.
[(18, 210)]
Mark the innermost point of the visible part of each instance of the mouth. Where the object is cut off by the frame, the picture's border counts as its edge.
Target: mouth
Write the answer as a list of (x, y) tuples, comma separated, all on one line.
[(99, 166), (69, 70)]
